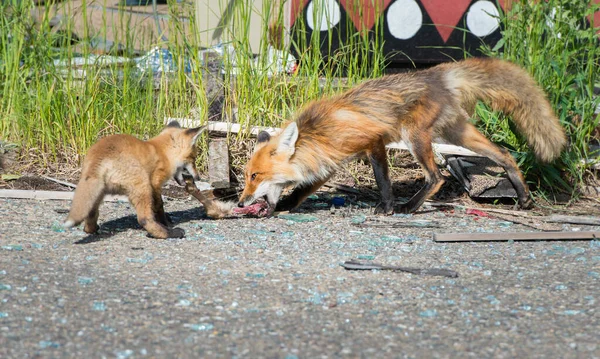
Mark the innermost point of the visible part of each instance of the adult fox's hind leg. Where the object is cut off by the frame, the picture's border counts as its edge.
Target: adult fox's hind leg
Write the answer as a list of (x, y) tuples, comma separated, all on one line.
[(466, 135), (419, 143), (378, 159)]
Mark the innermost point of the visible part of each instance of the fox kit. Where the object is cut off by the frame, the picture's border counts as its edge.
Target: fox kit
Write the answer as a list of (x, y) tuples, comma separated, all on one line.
[(416, 107), (123, 164)]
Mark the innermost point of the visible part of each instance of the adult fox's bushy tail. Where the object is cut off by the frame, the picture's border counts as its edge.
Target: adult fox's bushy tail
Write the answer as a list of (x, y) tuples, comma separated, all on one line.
[(510, 89)]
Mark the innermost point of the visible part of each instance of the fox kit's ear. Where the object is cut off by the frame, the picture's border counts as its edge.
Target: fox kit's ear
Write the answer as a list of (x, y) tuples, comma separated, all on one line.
[(287, 139), (195, 132), (174, 124)]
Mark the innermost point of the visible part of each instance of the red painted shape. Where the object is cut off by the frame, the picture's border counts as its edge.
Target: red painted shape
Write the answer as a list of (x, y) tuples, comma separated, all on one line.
[(445, 14), (597, 18), (369, 9), (503, 4), (297, 7)]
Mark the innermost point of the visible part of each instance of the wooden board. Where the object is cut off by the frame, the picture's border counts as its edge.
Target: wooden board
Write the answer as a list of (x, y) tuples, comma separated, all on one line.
[(225, 127), (50, 195), (514, 236)]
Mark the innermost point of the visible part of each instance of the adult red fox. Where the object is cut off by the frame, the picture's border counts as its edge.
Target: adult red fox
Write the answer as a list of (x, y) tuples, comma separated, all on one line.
[(123, 164), (416, 107)]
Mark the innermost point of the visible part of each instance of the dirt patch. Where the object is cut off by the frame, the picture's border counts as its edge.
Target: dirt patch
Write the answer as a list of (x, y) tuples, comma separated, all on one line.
[(406, 174)]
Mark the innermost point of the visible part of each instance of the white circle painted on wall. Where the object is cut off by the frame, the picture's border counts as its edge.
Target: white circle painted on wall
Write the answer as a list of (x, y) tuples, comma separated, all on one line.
[(404, 19), (323, 15), (482, 18)]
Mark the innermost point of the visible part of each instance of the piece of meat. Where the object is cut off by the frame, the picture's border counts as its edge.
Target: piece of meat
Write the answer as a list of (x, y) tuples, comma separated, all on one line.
[(258, 209), (219, 209)]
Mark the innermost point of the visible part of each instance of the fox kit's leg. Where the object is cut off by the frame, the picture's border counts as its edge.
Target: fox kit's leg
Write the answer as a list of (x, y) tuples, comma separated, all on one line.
[(299, 194), (379, 162), (142, 199), (466, 135), (419, 143), (91, 221), (159, 209)]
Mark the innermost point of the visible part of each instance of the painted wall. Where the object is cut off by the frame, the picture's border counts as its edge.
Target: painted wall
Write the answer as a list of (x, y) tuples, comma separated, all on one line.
[(417, 30)]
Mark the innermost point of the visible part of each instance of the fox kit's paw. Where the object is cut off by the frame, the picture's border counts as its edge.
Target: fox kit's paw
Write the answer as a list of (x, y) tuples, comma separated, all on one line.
[(90, 228), (384, 208)]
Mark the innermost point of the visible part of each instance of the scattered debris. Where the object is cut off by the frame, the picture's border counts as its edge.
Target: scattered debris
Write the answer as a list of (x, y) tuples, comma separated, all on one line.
[(395, 222), (481, 177), (159, 61), (218, 163), (64, 183), (558, 218), (356, 265), (515, 236), (476, 212), (297, 217), (529, 221), (490, 210)]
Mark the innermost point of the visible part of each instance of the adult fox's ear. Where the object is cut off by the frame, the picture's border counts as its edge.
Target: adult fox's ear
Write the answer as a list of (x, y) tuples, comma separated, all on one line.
[(174, 124), (195, 132), (287, 139), (263, 136)]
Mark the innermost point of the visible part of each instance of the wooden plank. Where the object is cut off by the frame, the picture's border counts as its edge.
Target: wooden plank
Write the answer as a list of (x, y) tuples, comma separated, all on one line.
[(559, 218), (225, 127), (218, 163), (50, 195), (514, 236)]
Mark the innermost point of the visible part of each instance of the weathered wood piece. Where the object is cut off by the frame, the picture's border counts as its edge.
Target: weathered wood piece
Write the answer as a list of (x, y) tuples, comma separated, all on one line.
[(218, 163), (514, 236), (356, 265), (50, 195)]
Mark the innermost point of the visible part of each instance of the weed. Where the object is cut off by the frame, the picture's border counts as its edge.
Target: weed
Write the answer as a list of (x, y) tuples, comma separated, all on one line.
[(555, 42)]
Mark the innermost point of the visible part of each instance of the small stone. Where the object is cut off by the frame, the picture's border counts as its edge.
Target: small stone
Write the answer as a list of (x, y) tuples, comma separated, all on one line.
[(43, 344), (85, 280), (98, 306), (201, 327), (358, 219), (429, 313)]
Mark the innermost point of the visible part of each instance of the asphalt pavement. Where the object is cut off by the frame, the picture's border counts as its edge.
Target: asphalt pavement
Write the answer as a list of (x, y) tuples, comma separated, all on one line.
[(274, 287)]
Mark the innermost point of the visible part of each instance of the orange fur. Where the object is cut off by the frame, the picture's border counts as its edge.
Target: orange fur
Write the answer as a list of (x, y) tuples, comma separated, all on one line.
[(123, 164)]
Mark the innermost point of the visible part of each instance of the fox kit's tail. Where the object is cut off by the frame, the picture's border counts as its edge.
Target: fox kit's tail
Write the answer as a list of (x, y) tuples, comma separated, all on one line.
[(510, 89), (88, 195)]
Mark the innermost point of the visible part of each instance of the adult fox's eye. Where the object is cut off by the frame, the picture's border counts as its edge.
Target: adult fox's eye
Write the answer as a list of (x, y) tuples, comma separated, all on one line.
[(253, 177)]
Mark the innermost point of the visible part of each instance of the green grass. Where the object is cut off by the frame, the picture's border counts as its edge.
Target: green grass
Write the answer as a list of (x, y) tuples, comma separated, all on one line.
[(552, 40), (51, 110)]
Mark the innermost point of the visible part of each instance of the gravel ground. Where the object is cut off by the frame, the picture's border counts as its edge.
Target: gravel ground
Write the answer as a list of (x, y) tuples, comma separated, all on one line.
[(275, 288)]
